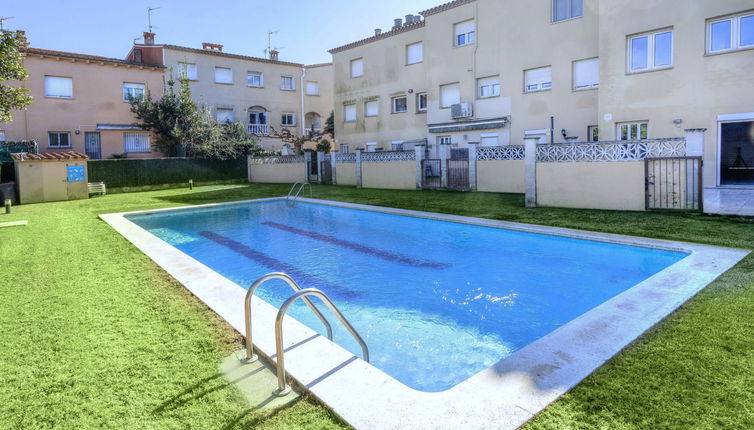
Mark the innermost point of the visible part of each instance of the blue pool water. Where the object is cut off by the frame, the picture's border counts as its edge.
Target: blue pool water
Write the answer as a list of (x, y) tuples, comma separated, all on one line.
[(435, 301)]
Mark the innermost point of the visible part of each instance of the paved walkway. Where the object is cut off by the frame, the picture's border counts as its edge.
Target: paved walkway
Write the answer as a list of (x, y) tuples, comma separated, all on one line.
[(729, 201)]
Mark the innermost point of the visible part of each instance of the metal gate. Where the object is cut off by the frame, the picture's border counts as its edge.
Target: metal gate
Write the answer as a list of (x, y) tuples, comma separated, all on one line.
[(673, 183), (92, 145), (431, 173), (325, 169), (458, 174), (311, 168)]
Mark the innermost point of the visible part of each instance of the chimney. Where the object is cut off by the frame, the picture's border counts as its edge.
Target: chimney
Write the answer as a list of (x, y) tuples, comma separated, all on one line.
[(377, 31), (274, 55), (409, 19), (212, 47), (397, 23), (148, 38)]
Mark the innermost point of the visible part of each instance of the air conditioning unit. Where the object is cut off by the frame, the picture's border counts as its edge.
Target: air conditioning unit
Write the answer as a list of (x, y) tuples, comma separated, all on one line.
[(462, 110)]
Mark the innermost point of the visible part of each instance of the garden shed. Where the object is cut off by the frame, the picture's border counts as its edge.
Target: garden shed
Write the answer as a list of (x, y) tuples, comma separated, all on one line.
[(51, 176)]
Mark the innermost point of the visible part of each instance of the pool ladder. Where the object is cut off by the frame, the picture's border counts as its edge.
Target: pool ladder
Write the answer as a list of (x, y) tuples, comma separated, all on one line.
[(300, 190), (299, 293)]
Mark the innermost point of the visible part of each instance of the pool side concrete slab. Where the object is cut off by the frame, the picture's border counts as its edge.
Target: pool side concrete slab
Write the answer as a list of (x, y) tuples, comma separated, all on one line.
[(505, 395)]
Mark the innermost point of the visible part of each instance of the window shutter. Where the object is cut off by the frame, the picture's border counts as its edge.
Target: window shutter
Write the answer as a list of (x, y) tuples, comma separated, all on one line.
[(538, 76), (350, 113), (223, 75), (450, 94), (58, 87), (586, 74), (465, 27), (312, 88), (372, 108), (357, 68), (414, 53)]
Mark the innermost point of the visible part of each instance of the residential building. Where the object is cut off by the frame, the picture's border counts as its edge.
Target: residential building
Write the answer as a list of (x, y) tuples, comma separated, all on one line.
[(81, 104), (267, 95), (492, 72)]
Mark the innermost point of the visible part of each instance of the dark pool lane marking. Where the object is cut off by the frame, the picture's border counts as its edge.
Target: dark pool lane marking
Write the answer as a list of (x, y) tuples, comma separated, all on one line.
[(385, 255), (279, 266)]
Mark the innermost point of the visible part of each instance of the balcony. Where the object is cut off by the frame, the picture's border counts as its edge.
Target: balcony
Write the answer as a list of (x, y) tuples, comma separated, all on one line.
[(259, 129)]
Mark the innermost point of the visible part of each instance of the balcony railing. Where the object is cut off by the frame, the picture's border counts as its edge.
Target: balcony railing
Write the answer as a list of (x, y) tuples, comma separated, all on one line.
[(259, 129)]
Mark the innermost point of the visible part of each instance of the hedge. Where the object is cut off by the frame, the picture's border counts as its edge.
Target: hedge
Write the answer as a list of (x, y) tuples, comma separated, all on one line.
[(119, 173), (7, 168)]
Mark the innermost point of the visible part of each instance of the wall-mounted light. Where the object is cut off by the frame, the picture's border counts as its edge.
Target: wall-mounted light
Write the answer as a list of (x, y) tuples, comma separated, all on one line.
[(564, 133), (78, 131), (678, 122)]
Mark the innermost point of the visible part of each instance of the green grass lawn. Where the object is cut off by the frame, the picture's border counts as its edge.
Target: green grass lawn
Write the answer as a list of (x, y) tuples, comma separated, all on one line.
[(93, 334)]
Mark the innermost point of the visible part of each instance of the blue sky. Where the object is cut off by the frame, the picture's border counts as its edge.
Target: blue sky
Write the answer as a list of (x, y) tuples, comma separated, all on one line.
[(306, 29)]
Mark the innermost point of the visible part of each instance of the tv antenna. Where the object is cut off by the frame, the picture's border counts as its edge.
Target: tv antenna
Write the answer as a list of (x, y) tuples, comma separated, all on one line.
[(3, 19), (149, 16), (269, 42)]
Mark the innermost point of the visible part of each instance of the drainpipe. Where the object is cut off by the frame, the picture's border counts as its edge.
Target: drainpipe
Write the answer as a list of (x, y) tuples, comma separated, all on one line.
[(303, 90)]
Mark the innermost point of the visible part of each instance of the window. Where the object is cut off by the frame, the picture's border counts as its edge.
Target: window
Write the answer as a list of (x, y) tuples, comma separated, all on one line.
[(371, 146), (396, 145), (586, 74), (255, 79), (287, 83), (344, 148), (312, 88), (223, 75), (731, 33), (651, 51), (465, 33), (58, 87), (349, 113), (400, 104), (372, 108), (357, 67), (566, 9), (133, 92), (488, 87), (593, 133), (633, 131), (421, 102), (59, 139), (187, 71), (137, 55), (491, 139), (288, 119), (450, 94), (538, 79), (224, 115), (136, 142), (414, 53), (2, 135)]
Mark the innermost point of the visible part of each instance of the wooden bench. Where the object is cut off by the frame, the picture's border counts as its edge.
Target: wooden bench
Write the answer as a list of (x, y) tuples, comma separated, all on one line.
[(97, 188)]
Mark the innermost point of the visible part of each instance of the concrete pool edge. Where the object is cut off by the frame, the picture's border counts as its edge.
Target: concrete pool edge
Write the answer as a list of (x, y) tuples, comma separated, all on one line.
[(508, 393)]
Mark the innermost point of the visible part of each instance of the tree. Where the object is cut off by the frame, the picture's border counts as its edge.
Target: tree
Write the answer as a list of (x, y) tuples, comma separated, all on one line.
[(330, 124), (12, 69), (183, 128), (324, 146)]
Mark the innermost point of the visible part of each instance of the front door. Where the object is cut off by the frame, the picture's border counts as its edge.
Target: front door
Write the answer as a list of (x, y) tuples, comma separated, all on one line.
[(737, 153), (92, 145)]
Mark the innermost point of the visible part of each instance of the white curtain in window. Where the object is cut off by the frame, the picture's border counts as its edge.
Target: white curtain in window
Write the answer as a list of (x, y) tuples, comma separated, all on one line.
[(450, 94), (414, 53), (489, 87), (224, 115), (255, 79), (357, 68), (286, 83), (586, 74), (223, 75), (349, 113), (372, 108), (58, 87)]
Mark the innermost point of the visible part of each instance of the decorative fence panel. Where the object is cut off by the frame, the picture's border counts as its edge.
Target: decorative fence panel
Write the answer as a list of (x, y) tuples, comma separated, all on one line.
[(622, 150), (387, 156)]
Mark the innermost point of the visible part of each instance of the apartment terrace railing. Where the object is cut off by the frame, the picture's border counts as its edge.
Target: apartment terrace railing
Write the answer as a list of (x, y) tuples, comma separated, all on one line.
[(621, 150), (259, 129)]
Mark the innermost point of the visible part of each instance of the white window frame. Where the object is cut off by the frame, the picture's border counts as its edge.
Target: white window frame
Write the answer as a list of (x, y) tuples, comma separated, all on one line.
[(735, 33), (469, 37), (288, 119), (493, 88), (357, 72), (133, 86), (187, 70), (588, 86), (346, 109), (312, 88), (344, 148), (49, 139), (252, 74), (229, 111), (420, 53), (570, 10), (631, 124), (396, 145), (143, 147), (218, 68), (373, 103), (58, 96), (589, 133), (394, 107), (419, 97), (540, 86), (284, 87), (650, 51)]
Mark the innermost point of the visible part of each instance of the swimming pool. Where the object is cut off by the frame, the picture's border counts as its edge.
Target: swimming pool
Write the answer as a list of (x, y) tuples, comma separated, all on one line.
[(436, 301)]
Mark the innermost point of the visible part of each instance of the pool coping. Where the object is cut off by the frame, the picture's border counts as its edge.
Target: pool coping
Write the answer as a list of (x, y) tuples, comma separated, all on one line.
[(508, 393)]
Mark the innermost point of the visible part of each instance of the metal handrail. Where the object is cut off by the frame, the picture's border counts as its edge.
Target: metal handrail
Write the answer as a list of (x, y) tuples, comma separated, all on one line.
[(250, 356), (293, 187), (283, 387), (300, 190)]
